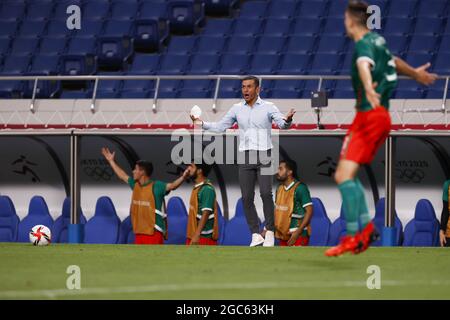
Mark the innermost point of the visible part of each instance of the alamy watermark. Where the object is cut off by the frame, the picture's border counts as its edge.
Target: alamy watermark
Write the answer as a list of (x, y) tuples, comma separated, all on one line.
[(73, 281), (374, 280)]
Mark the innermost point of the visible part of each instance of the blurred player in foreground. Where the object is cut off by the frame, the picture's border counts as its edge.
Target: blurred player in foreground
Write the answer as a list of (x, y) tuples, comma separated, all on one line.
[(374, 77)]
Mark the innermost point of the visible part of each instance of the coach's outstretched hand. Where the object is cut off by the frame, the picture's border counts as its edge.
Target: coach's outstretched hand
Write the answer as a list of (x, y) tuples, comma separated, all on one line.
[(109, 156), (197, 121), (423, 76), (290, 115)]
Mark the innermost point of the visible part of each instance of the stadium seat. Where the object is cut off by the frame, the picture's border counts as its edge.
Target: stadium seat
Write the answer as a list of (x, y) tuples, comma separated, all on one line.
[(307, 26), (58, 28), (423, 43), (177, 219), (185, 16), (343, 89), (181, 45), (204, 64), (220, 7), (312, 9), (442, 63), (210, 45), (144, 64), (402, 8), (300, 44), (396, 44), (137, 89), (24, 46), (423, 229), (82, 46), (96, 10), (325, 63), (218, 27), (113, 53), (32, 28), (247, 27), (294, 63), (15, 65), (78, 65), (103, 227), (237, 232), (277, 27), (118, 28), (90, 29), (379, 222), (270, 45), (287, 89), (153, 10), (39, 11), (37, 214), (337, 8), (397, 26), (150, 34), (52, 46), (234, 64), (334, 26), (262, 63), (230, 89), (331, 44), (124, 10), (320, 224), (169, 89), (7, 29), (338, 229), (12, 10), (253, 9), (173, 64), (108, 89), (445, 44), (9, 221), (428, 26), (126, 234), (240, 45), (60, 227), (432, 8), (282, 9)]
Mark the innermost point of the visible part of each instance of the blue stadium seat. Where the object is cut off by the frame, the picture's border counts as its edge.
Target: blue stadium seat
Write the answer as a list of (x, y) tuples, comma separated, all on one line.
[(277, 27), (114, 52), (230, 89), (181, 44), (150, 34), (396, 44), (108, 89), (325, 63), (423, 229), (428, 26), (293, 63), (218, 27), (210, 45), (12, 10), (234, 63), (204, 64), (124, 10), (81, 46), (307, 26), (96, 10), (331, 44), (126, 234), (4, 45), (15, 65), (442, 63), (237, 232), (379, 222), (185, 16), (445, 44), (263, 63), (177, 218), (253, 9), (397, 26), (37, 214), (144, 64), (152, 10), (432, 8), (240, 45), (39, 11), (320, 224), (343, 90), (418, 58), (338, 229), (8, 29), (90, 29), (220, 7), (334, 26), (9, 221), (173, 64), (312, 9), (423, 43), (271, 45), (77, 65), (402, 8), (282, 9), (60, 227), (32, 28), (79, 94), (137, 89), (24, 46), (300, 44), (52, 46), (286, 89), (247, 27), (117, 28), (44, 64), (337, 8), (58, 28), (196, 89), (103, 227), (169, 89)]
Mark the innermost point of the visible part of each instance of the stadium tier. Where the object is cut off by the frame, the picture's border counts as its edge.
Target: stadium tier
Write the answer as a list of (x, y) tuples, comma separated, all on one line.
[(193, 37)]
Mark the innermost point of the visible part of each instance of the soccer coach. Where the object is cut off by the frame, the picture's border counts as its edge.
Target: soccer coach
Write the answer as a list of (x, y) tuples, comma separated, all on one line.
[(254, 117)]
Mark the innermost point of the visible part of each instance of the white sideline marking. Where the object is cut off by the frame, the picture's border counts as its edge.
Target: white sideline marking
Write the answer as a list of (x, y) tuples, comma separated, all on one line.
[(54, 293)]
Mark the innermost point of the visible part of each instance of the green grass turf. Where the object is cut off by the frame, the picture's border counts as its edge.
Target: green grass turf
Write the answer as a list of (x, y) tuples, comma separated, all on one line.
[(180, 272)]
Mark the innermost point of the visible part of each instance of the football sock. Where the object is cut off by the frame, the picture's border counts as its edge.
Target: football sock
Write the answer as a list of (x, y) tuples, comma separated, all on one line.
[(364, 217), (350, 199)]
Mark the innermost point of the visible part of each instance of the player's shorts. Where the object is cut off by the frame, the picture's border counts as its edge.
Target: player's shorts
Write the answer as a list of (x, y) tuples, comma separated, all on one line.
[(367, 133), (156, 238), (301, 242), (204, 242)]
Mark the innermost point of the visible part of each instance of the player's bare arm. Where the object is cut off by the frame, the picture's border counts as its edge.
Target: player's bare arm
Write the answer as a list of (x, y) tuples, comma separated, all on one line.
[(110, 157), (305, 222), (420, 74), (201, 224), (364, 69), (178, 182), (290, 115)]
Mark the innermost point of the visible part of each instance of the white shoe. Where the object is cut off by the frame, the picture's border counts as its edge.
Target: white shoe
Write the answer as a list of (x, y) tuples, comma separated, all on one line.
[(257, 240), (269, 241)]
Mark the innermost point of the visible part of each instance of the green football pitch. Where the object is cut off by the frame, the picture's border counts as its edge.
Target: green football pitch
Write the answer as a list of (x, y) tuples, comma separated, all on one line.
[(180, 272)]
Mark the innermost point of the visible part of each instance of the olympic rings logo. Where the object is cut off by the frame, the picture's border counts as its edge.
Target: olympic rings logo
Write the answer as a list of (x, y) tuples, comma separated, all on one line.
[(411, 175), (99, 173)]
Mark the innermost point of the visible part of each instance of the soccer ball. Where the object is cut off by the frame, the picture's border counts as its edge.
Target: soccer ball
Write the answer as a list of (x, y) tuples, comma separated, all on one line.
[(40, 235)]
